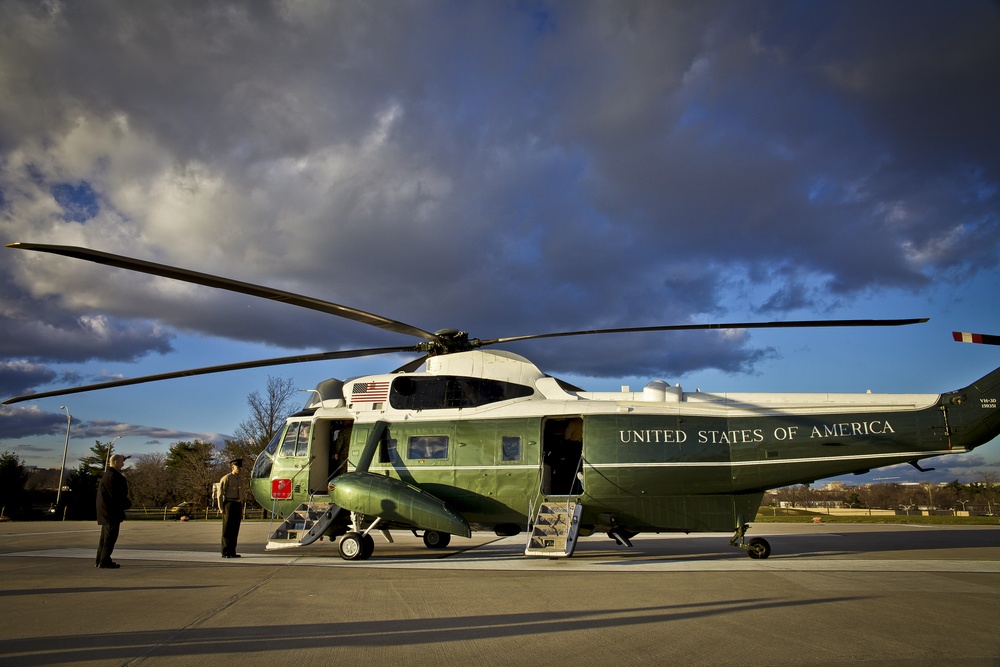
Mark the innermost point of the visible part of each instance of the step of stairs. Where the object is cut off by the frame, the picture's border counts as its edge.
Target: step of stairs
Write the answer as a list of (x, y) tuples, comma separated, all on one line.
[(304, 525), (554, 530)]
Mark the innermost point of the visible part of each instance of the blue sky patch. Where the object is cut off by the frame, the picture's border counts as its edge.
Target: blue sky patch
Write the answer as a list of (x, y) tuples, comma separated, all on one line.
[(79, 202)]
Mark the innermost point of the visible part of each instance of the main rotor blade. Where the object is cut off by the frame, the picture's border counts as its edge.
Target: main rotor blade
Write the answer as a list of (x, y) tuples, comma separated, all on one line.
[(229, 284), (276, 361), (731, 325), (412, 366)]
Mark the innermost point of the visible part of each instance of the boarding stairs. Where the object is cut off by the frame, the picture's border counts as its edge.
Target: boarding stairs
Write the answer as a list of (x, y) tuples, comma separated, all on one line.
[(554, 530), (306, 524)]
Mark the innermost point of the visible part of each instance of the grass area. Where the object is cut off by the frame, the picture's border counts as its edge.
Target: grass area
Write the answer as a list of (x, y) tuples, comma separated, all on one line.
[(801, 516)]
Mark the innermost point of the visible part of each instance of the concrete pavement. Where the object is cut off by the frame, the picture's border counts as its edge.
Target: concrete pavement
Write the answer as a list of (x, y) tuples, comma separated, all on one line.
[(829, 594)]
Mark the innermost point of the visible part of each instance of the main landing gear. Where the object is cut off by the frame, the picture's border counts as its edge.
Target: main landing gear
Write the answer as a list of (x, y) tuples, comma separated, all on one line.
[(358, 544), (435, 540), (757, 547)]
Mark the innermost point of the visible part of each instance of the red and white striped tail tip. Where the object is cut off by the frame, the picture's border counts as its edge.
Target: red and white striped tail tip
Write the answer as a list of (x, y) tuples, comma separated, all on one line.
[(963, 337)]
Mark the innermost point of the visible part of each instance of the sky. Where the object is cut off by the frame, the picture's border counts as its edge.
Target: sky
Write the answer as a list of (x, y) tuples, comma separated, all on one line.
[(504, 168)]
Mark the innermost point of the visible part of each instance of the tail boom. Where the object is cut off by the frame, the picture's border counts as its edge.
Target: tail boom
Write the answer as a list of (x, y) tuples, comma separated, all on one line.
[(973, 413)]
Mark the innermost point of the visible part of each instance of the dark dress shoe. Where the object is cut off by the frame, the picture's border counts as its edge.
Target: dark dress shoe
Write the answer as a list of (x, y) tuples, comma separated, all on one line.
[(110, 565)]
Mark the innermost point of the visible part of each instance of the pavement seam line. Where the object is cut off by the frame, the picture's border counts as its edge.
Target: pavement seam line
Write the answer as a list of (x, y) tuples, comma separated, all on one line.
[(204, 617)]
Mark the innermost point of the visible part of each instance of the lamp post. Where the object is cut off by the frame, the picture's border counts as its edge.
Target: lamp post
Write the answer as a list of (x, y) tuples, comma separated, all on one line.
[(62, 468), (111, 446)]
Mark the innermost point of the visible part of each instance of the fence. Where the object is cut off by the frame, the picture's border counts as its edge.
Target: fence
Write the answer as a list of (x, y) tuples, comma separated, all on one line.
[(192, 514)]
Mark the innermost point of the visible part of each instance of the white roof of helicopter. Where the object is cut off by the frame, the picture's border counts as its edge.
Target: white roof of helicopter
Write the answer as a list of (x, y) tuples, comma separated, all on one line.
[(655, 397)]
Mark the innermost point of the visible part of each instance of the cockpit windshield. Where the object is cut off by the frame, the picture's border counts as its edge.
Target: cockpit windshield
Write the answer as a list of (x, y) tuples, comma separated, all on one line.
[(262, 466)]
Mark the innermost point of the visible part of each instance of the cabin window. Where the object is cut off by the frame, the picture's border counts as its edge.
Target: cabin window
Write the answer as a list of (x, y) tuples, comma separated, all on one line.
[(427, 447), (511, 448), (439, 392), (387, 451)]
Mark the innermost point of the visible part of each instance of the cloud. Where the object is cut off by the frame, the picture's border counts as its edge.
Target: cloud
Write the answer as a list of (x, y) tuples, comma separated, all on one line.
[(25, 422), (502, 169), (20, 376), (21, 422), (105, 430)]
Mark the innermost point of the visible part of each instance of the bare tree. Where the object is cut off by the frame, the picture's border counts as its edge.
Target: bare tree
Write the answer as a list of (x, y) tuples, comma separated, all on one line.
[(879, 496), (149, 481), (267, 415), (988, 488), (194, 468)]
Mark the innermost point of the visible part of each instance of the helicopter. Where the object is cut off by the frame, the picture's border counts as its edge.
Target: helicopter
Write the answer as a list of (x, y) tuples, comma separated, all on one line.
[(483, 440)]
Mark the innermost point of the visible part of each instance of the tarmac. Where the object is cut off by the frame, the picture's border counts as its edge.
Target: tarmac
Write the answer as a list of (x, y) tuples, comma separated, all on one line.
[(830, 594)]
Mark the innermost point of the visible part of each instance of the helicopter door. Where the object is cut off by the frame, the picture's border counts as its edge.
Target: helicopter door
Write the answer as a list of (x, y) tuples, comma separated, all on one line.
[(340, 446), (562, 454), (331, 440)]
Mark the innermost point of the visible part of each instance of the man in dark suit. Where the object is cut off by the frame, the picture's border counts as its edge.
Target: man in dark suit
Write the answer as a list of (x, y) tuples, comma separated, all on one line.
[(112, 501)]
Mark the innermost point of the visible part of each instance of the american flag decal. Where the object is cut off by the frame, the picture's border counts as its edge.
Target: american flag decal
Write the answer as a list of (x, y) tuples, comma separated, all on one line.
[(369, 392), (963, 337)]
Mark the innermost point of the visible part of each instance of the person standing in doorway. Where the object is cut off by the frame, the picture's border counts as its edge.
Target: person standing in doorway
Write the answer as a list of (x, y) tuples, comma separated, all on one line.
[(230, 501), (112, 501)]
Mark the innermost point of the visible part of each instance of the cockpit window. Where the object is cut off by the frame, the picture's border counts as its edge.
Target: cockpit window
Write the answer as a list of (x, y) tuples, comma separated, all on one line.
[(262, 466), (296, 440), (438, 392), (302, 442)]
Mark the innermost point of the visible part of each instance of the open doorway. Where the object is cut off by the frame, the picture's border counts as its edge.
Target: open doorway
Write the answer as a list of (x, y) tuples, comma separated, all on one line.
[(340, 445), (562, 454), (331, 443)]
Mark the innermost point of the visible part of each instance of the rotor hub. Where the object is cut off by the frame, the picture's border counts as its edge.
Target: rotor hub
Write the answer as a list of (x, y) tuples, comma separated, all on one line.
[(449, 341)]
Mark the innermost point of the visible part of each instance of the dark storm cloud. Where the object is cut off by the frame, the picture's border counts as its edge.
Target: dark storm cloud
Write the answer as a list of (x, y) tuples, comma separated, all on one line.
[(666, 355), (105, 430), (773, 154), (18, 422), (18, 377), (22, 422), (503, 168), (79, 338)]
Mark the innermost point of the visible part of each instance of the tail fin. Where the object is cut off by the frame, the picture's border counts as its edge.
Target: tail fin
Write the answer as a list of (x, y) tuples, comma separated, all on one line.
[(974, 412), (965, 337)]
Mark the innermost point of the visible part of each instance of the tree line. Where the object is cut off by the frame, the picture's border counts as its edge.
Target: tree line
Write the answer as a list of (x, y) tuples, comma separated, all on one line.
[(185, 473), (981, 495)]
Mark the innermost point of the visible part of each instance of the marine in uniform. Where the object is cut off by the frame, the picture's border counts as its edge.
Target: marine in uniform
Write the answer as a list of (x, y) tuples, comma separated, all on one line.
[(230, 499)]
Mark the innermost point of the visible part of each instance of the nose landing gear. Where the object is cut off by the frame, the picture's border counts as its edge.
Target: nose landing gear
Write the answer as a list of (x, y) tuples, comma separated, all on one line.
[(357, 544)]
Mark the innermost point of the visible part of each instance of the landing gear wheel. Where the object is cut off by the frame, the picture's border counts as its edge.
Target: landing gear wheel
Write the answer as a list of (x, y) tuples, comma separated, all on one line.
[(758, 547), (435, 540), (367, 547), (352, 546)]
